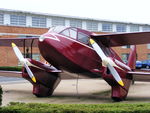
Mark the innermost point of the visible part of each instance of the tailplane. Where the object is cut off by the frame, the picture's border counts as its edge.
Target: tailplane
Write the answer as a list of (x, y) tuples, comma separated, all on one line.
[(132, 57)]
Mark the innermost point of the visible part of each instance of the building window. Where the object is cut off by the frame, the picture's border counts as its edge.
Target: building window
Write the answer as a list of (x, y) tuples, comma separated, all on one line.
[(38, 21), (121, 28), (134, 28), (58, 22), (148, 56), (35, 56), (127, 46), (148, 46), (18, 20), (146, 28), (1, 19), (125, 57), (92, 26), (76, 23), (106, 27)]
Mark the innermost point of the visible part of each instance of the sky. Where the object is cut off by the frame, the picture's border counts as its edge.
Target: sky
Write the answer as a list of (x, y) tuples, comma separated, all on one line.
[(135, 11)]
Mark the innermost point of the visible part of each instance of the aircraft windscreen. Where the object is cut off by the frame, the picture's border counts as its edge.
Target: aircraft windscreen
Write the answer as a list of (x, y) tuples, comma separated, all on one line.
[(57, 29)]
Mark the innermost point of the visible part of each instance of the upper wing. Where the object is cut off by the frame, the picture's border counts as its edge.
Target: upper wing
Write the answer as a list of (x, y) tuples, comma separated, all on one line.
[(21, 42), (112, 40)]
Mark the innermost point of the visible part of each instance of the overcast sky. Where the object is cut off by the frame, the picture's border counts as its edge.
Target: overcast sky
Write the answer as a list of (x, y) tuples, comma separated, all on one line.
[(137, 11)]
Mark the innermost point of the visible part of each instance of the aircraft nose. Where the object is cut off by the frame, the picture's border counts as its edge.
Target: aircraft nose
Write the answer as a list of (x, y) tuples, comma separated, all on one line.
[(41, 38)]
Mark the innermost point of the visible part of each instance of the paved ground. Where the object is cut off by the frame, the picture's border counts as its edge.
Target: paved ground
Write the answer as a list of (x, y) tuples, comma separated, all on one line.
[(89, 91)]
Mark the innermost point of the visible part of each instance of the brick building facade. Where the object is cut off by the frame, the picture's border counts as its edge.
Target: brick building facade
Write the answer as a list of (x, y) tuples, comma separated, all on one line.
[(7, 54), (8, 57)]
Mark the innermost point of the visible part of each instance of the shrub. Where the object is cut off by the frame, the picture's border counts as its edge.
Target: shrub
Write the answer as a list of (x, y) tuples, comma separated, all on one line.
[(1, 92), (75, 108), (9, 68)]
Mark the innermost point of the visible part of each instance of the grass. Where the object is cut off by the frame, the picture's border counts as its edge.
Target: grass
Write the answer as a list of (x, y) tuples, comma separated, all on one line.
[(76, 108)]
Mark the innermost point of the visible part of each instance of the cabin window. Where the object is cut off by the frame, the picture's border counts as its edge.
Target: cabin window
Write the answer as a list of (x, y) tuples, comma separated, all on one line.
[(66, 33), (83, 38), (73, 33)]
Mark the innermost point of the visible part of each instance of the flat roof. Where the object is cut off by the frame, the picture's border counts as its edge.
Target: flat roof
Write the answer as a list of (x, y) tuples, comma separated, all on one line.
[(67, 16)]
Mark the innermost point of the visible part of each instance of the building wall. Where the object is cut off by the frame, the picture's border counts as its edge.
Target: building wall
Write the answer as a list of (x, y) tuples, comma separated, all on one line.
[(7, 56)]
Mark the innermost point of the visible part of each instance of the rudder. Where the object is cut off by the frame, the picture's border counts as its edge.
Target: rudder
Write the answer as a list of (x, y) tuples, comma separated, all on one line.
[(132, 57)]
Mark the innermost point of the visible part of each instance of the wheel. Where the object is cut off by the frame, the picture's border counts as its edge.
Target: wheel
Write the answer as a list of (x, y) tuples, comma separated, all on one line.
[(115, 99)]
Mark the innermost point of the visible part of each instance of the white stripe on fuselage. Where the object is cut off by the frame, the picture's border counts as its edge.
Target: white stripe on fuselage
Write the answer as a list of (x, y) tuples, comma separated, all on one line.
[(53, 37)]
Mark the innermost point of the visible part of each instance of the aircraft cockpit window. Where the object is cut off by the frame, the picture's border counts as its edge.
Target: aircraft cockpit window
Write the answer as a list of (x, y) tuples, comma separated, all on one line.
[(83, 38), (73, 33), (57, 29), (66, 33)]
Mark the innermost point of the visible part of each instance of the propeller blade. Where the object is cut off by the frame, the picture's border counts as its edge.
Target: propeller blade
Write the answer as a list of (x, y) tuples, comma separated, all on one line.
[(17, 52), (30, 72), (98, 49), (23, 61), (115, 74), (107, 62)]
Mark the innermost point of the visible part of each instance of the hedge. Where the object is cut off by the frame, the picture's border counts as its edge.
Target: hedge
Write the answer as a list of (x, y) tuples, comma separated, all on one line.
[(9, 68), (75, 108), (1, 92)]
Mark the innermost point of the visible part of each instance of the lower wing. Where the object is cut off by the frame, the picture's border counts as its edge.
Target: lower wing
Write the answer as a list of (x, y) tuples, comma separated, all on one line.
[(140, 75)]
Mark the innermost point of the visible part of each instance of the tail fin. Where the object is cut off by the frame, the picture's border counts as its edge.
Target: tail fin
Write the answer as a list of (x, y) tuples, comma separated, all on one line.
[(132, 57)]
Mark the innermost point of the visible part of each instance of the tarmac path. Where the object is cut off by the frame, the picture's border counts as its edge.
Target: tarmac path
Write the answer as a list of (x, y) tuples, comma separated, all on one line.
[(88, 91)]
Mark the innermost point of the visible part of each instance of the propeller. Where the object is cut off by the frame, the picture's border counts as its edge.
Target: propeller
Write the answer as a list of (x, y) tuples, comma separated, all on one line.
[(23, 61), (107, 62)]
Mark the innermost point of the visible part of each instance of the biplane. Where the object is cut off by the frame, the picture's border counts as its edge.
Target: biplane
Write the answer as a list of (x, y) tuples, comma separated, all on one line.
[(79, 51)]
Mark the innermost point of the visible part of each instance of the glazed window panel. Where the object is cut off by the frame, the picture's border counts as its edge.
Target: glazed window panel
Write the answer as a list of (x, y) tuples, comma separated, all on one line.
[(58, 22), (134, 28), (92, 26), (36, 56), (106, 27), (148, 56), (76, 23), (38, 21), (73, 33), (19, 20), (83, 38), (125, 57), (66, 33), (1, 19), (148, 46), (121, 28), (127, 46), (146, 28)]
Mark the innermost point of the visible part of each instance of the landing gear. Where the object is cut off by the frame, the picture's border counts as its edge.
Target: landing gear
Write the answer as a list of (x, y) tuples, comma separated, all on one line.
[(46, 81), (41, 91)]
